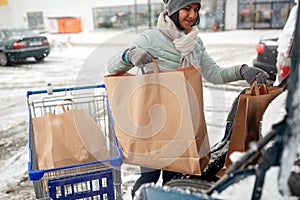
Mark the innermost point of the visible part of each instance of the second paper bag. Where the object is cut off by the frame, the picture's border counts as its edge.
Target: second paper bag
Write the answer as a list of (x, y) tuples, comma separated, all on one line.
[(247, 122), (159, 119), (69, 138)]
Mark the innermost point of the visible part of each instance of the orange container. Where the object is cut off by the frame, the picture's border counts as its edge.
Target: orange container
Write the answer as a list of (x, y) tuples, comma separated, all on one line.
[(69, 25)]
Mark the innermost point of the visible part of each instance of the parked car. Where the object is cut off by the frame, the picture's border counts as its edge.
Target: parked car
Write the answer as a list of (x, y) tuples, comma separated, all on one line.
[(267, 55), (20, 44)]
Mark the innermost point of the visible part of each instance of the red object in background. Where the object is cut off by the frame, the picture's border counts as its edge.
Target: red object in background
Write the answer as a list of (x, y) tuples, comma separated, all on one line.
[(260, 48), (284, 71), (215, 27), (19, 44), (46, 42)]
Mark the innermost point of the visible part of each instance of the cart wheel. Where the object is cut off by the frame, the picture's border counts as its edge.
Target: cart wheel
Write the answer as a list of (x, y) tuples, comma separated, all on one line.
[(197, 186)]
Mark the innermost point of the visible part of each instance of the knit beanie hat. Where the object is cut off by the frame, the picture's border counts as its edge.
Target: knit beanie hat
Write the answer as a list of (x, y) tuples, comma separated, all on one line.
[(175, 5)]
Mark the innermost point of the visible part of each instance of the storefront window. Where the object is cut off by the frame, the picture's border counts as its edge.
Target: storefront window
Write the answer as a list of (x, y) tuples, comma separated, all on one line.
[(125, 16), (220, 14), (212, 14), (280, 14), (262, 14), (246, 15), (35, 20)]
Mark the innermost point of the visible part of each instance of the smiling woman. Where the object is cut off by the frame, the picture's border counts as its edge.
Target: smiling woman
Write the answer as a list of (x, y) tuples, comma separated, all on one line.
[(188, 16), (19, 44), (177, 28)]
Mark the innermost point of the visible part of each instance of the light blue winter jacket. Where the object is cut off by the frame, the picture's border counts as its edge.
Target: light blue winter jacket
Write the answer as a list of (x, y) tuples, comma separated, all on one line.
[(169, 58)]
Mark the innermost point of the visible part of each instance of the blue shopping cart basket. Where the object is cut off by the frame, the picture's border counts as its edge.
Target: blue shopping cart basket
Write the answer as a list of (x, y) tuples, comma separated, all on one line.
[(93, 180)]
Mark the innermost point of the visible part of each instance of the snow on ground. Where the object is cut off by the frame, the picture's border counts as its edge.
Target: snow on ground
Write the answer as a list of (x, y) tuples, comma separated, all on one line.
[(226, 38), (71, 53)]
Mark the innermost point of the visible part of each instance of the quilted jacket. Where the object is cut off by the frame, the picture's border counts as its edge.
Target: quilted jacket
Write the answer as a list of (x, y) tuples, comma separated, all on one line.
[(169, 58)]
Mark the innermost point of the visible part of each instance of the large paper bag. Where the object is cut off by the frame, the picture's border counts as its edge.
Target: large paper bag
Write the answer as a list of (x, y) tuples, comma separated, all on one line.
[(159, 119), (69, 138), (247, 122)]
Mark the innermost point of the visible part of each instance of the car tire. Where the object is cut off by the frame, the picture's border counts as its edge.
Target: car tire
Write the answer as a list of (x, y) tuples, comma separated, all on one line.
[(39, 59), (194, 185), (3, 59)]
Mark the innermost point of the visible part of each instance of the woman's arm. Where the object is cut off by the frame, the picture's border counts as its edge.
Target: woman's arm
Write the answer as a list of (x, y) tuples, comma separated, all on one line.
[(212, 72), (117, 65), (215, 74)]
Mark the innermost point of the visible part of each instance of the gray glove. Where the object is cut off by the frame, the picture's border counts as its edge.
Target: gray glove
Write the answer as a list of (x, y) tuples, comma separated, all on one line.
[(251, 73), (139, 57)]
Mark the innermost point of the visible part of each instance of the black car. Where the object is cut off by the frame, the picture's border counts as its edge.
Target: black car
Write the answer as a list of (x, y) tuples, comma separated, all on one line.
[(19, 44), (267, 55)]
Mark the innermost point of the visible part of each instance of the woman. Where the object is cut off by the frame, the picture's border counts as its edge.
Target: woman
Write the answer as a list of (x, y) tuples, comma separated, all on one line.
[(175, 43)]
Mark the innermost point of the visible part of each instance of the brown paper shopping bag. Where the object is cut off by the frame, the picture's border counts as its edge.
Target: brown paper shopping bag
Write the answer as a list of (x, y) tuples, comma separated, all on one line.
[(246, 126), (69, 138), (159, 119)]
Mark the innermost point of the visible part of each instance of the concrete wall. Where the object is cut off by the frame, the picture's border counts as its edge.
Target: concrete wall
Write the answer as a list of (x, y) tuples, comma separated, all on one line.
[(15, 13), (231, 14), (5, 20)]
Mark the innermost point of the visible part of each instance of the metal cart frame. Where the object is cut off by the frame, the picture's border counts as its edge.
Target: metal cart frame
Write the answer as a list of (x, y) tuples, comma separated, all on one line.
[(94, 180)]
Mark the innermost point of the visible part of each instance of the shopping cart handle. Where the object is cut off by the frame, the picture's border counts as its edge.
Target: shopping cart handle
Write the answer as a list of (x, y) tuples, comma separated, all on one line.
[(117, 161), (65, 89), (36, 174)]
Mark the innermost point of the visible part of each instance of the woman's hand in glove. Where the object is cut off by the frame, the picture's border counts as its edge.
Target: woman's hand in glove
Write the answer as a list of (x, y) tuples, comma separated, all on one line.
[(138, 56), (251, 73)]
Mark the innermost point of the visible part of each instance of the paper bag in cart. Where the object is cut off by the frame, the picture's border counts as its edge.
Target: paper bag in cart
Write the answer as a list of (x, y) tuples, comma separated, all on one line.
[(159, 119), (69, 138)]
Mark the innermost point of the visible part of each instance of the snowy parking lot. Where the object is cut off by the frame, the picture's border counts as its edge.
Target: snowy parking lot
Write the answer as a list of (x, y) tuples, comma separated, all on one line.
[(80, 59)]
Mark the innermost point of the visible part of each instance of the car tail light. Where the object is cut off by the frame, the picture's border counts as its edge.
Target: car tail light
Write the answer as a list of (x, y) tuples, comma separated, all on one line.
[(19, 44), (260, 48), (45, 42), (284, 71)]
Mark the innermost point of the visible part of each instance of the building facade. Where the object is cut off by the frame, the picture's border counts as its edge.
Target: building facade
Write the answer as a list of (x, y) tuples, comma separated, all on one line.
[(248, 14), (78, 15)]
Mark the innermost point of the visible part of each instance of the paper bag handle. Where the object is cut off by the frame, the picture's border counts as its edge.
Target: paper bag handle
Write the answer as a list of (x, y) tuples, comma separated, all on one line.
[(156, 68), (63, 106), (255, 90)]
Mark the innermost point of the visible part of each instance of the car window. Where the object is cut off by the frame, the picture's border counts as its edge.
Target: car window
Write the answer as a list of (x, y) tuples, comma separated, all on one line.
[(18, 32)]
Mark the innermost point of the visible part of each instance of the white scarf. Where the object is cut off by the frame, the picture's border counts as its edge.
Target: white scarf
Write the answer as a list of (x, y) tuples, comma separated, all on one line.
[(185, 43)]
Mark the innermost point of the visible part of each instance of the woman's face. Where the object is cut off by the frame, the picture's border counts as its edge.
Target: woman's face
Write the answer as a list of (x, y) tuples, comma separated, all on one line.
[(188, 15)]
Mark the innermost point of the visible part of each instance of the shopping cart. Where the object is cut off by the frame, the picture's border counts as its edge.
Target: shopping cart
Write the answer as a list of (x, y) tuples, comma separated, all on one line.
[(93, 180)]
